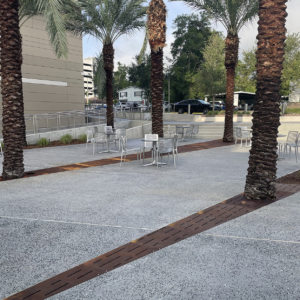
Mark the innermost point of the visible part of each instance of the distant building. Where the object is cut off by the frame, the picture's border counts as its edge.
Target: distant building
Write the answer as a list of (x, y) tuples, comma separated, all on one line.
[(88, 75), (49, 84), (131, 94), (295, 96)]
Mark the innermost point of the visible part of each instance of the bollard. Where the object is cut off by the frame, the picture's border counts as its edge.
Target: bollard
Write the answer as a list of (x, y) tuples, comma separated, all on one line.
[(246, 107), (189, 109)]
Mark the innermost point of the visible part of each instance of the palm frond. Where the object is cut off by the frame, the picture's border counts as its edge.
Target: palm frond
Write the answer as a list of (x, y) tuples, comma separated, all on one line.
[(232, 14), (144, 47)]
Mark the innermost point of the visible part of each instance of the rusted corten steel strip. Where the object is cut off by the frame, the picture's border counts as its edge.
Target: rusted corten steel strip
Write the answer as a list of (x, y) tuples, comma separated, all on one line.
[(114, 160), (203, 220)]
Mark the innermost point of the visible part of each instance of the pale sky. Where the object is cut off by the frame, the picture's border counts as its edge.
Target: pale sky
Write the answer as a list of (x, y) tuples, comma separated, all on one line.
[(126, 47)]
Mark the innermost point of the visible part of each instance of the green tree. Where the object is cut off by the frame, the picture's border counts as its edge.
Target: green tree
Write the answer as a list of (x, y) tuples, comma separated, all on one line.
[(107, 20), (290, 78), (120, 79), (13, 123), (191, 34), (211, 78), (140, 75), (261, 177), (233, 15), (245, 79)]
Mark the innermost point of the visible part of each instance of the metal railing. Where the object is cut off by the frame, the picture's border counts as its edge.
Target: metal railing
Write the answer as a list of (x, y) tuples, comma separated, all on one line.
[(36, 123)]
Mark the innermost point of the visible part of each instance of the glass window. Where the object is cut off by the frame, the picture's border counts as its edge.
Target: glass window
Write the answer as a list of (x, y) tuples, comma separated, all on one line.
[(136, 94), (123, 94), (203, 102)]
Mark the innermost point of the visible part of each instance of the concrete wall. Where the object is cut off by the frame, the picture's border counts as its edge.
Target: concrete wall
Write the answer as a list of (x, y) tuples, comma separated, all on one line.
[(50, 84)]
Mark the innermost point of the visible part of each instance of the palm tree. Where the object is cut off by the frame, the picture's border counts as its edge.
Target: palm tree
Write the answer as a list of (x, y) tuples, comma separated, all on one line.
[(233, 15), (260, 181), (13, 123), (107, 20), (156, 27)]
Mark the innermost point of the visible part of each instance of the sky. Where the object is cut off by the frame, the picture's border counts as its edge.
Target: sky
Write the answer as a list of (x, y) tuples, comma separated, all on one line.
[(126, 47)]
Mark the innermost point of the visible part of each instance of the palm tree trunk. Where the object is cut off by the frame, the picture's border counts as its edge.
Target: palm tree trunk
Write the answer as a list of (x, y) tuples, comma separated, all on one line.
[(231, 59), (260, 181), (11, 85), (108, 57), (157, 78)]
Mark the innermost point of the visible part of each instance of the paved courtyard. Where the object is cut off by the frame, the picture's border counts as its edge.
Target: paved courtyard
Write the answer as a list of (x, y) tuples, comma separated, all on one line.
[(51, 223)]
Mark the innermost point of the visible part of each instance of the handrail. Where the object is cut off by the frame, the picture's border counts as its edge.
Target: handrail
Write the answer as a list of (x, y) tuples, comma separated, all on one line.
[(63, 119)]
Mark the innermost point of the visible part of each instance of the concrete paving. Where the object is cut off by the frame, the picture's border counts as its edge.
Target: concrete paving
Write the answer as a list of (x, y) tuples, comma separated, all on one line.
[(51, 223)]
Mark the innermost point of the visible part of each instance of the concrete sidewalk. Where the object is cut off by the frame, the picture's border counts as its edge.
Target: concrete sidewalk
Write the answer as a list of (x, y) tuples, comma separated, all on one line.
[(51, 223)]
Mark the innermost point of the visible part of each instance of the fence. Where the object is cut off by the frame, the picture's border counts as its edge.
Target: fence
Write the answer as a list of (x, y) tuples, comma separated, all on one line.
[(36, 123)]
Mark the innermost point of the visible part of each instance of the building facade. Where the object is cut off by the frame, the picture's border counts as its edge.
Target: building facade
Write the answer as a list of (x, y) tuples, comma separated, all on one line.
[(131, 94), (49, 84), (88, 75)]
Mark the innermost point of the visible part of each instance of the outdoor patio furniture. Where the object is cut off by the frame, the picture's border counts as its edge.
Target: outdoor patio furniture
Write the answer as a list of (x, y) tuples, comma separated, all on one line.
[(124, 150), (89, 138), (180, 131), (99, 138), (167, 129), (96, 129), (175, 141), (120, 132), (195, 131), (166, 146), (1, 152), (189, 131), (242, 133), (292, 142), (150, 142), (108, 129)]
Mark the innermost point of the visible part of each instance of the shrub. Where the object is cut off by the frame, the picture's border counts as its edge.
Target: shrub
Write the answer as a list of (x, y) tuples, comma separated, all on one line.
[(82, 138), (241, 112), (292, 111), (43, 142), (213, 113), (2, 145), (66, 139)]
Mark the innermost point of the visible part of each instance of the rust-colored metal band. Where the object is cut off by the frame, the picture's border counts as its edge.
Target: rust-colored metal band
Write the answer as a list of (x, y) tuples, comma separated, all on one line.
[(203, 220)]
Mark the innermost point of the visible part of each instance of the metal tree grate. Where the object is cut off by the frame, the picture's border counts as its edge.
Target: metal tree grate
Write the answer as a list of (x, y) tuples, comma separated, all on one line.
[(154, 241)]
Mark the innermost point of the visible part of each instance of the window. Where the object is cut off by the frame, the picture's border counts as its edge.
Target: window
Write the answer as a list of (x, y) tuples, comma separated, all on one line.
[(123, 94), (137, 94), (88, 65)]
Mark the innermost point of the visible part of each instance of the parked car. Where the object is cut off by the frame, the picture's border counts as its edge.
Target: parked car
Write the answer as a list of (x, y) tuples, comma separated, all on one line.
[(101, 106), (123, 106), (196, 106)]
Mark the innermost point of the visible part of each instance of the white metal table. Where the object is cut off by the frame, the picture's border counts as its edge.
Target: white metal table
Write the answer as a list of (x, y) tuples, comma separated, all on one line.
[(154, 148), (108, 134)]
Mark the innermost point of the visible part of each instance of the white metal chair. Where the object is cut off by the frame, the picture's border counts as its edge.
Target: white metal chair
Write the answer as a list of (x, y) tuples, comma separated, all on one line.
[(124, 150), (175, 141), (99, 138), (120, 132), (241, 133), (108, 129), (1, 152), (292, 142), (166, 146), (149, 144), (195, 130), (180, 131), (89, 137), (189, 131), (168, 130)]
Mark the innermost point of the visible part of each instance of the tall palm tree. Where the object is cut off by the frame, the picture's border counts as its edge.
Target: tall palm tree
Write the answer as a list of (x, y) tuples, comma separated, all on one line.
[(156, 26), (233, 15), (107, 20), (260, 181), (13, 123)]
